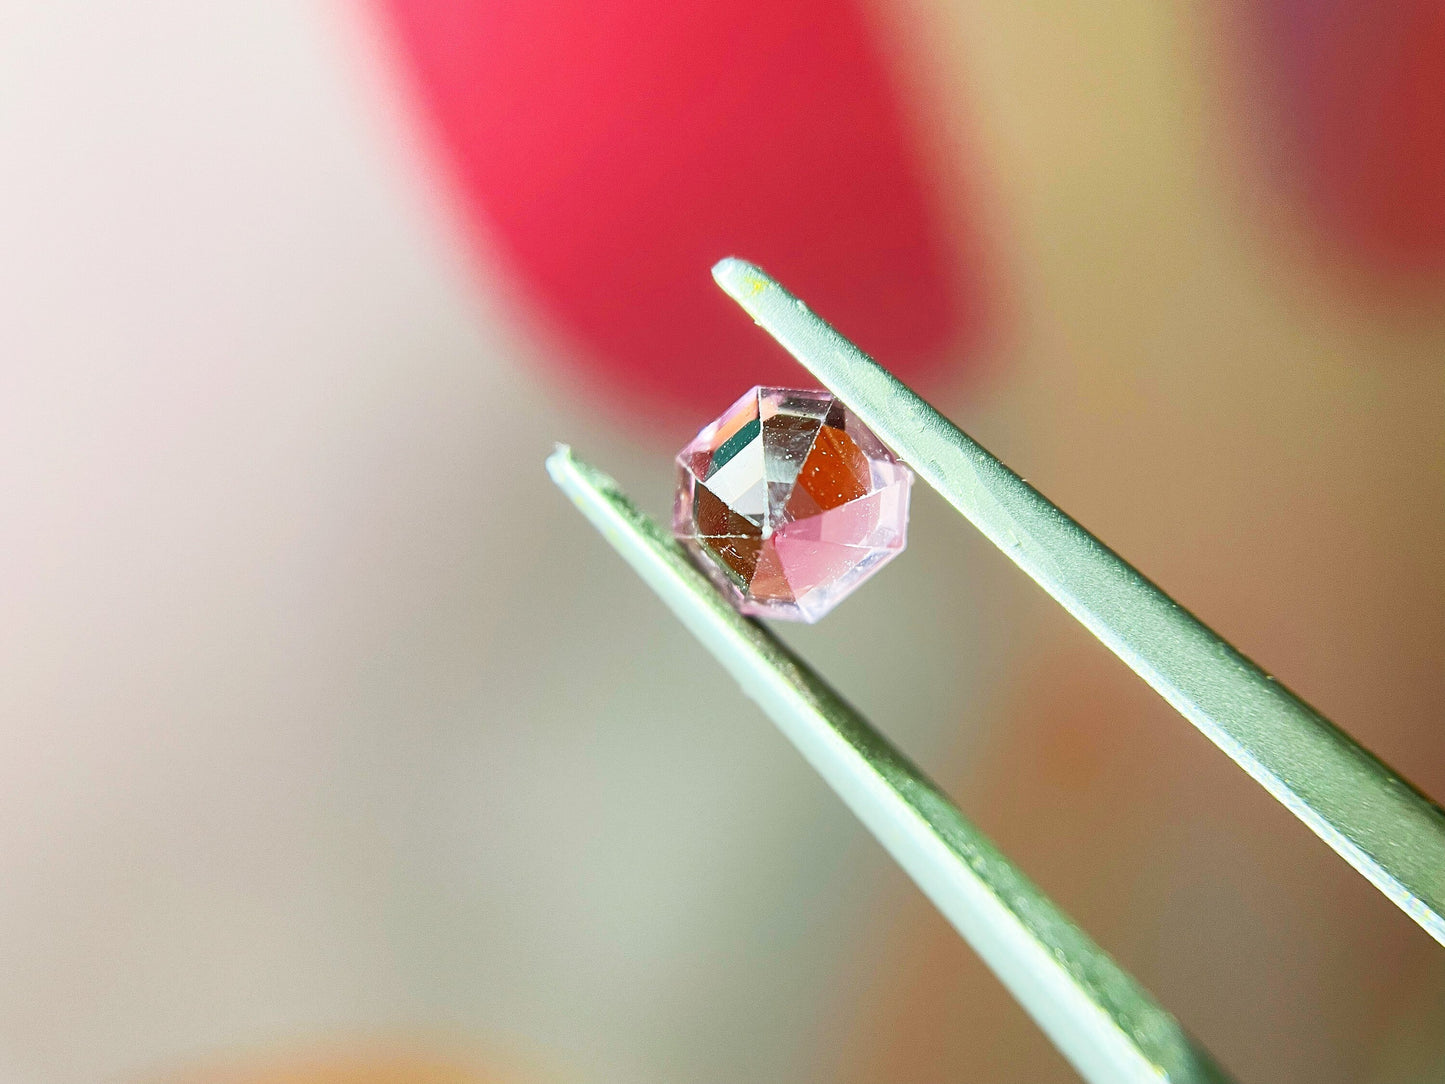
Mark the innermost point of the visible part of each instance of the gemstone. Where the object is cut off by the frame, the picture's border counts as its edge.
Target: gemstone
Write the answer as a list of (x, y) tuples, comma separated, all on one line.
[(788, 502)]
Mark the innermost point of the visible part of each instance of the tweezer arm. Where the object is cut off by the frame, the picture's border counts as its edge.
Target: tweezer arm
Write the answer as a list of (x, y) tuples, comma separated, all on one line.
[(1377, 822), (1097, 1016)]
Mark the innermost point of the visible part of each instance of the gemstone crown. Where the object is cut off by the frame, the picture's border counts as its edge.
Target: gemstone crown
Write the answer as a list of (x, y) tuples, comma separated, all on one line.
[(788, 502)]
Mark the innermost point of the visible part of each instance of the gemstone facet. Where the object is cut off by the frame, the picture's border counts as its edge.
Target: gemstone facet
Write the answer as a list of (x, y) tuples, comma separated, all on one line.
[(788, 502)]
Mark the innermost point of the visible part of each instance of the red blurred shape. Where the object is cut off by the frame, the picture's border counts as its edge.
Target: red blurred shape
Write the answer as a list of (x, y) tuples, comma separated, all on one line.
[(1363, 89), (617, 150)]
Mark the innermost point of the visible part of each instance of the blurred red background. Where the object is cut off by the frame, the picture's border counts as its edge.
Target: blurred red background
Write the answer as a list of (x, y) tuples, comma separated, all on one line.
[(616, 153)]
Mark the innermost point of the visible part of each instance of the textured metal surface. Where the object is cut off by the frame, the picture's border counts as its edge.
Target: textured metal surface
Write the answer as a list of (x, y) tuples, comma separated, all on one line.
[(1388, 831), (1098, 1017)]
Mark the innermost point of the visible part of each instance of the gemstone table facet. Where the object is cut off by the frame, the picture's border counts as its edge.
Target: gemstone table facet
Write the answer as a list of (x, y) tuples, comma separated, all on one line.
[(788, 502)]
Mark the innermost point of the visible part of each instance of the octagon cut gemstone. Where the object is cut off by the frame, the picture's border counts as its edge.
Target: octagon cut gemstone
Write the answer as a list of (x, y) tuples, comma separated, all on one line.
[(788, 502)]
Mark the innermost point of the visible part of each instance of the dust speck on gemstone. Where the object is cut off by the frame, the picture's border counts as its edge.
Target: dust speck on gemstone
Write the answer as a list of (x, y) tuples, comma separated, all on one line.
[(788, 502)]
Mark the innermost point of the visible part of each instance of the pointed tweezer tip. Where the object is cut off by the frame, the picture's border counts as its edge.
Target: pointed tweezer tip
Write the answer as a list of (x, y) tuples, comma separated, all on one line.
[(579, 480), (559, 461), (740, 279)]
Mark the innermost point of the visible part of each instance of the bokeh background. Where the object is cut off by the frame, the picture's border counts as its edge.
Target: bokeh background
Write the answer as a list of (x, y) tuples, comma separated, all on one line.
[(337, 748)]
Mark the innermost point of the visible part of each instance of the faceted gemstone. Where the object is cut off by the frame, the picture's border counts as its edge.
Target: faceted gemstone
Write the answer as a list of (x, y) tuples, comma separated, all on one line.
[(788, 502)]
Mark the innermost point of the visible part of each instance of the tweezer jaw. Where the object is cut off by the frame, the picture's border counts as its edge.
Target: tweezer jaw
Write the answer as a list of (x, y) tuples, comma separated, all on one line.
[(1381, 825), (1098, 1017)]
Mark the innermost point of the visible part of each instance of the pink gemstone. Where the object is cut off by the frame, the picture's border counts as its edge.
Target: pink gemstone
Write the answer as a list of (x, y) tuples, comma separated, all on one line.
[(788, 502)]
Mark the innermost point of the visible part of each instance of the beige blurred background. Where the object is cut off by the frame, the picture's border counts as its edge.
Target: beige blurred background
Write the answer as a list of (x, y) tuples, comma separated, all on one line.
[(333, 738)]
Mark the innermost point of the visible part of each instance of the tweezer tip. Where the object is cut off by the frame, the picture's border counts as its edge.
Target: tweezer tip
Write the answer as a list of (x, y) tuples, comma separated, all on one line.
[(559, 461), (578, 479), (740, 278), (727, 267)]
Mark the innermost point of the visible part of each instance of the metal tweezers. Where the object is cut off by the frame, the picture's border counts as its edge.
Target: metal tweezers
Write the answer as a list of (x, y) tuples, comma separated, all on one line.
[(1098, 1017)]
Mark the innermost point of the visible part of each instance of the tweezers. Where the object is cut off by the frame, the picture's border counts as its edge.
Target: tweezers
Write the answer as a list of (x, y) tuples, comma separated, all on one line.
[(1098, 1017)]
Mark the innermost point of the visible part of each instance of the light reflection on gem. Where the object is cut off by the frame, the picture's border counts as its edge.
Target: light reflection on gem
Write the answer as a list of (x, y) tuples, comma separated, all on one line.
[(788, 502)]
